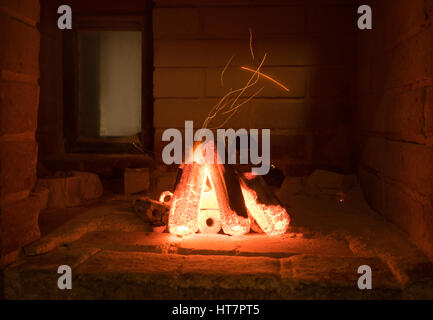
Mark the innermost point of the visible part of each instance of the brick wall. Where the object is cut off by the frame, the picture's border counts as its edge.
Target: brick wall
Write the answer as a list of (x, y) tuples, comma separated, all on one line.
[(395, 115), (310, 46), (19, 96), (50, 116)]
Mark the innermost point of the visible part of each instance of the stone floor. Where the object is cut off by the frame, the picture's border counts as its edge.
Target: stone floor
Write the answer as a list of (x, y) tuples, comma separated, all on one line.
[(114, 255)]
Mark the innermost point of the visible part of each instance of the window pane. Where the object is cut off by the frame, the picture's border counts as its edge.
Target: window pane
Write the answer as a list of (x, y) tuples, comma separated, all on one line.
[(110, 83)]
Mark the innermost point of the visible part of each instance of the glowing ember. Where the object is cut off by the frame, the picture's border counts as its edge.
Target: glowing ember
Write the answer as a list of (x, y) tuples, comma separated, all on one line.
[(193, 193), (209, 221), (188, 198), (166, 196), (181, 230), (272, 219), (185, 205), (232, 223)]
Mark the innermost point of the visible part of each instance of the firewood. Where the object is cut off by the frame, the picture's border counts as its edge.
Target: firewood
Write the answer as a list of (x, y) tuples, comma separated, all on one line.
[(151, 211), (258, 184), (263, 205), (185, 206), (231, 204)]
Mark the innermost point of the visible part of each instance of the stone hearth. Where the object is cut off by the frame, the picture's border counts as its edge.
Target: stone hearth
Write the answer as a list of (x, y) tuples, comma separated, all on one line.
[(113, 255)]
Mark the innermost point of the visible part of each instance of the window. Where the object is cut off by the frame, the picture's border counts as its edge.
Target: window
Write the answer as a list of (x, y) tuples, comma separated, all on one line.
[(107, 88), (110, 83)]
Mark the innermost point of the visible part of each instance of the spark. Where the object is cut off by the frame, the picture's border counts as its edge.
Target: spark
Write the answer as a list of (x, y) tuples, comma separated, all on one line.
[(224, 70), (242, 103), (224, 101), (267, 77), (255, 73), (229, 104), (233, 110), (251, 43)]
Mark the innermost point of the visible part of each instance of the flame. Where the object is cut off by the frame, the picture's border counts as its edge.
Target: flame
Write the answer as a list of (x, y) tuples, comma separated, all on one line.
[(187, 201), (188, 197)]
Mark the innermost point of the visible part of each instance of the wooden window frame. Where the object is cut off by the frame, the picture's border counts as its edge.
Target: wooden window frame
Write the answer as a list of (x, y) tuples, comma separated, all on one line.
[(74, 142)]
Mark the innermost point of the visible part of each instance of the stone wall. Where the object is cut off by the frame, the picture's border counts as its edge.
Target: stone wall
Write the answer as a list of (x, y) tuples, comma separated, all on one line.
[(310, 46), (395, 115), (19, 98)]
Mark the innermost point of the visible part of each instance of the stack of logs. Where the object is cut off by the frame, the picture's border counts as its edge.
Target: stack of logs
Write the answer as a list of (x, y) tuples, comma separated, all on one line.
[(156, 213)]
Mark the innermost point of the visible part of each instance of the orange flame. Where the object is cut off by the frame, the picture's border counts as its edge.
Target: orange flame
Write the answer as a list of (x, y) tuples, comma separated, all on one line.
[(188, 196), (187, 201)]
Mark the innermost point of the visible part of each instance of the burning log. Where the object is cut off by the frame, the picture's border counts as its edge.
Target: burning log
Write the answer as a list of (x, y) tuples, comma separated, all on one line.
[(231, 204), (254, 226), (244, 202), (185, 206), (263, 206)]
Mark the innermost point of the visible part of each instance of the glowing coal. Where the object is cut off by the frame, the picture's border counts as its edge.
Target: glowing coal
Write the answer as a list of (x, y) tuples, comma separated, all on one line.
[(236, 198)]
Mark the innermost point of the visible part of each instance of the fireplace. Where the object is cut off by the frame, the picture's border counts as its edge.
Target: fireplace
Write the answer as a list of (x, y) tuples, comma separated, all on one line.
[(89, 115)]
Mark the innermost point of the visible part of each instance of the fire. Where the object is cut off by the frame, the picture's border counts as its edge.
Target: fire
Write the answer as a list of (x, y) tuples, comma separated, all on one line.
[(190, 193), (186, 200), (188, 197), (272, 219), (232, 223)]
